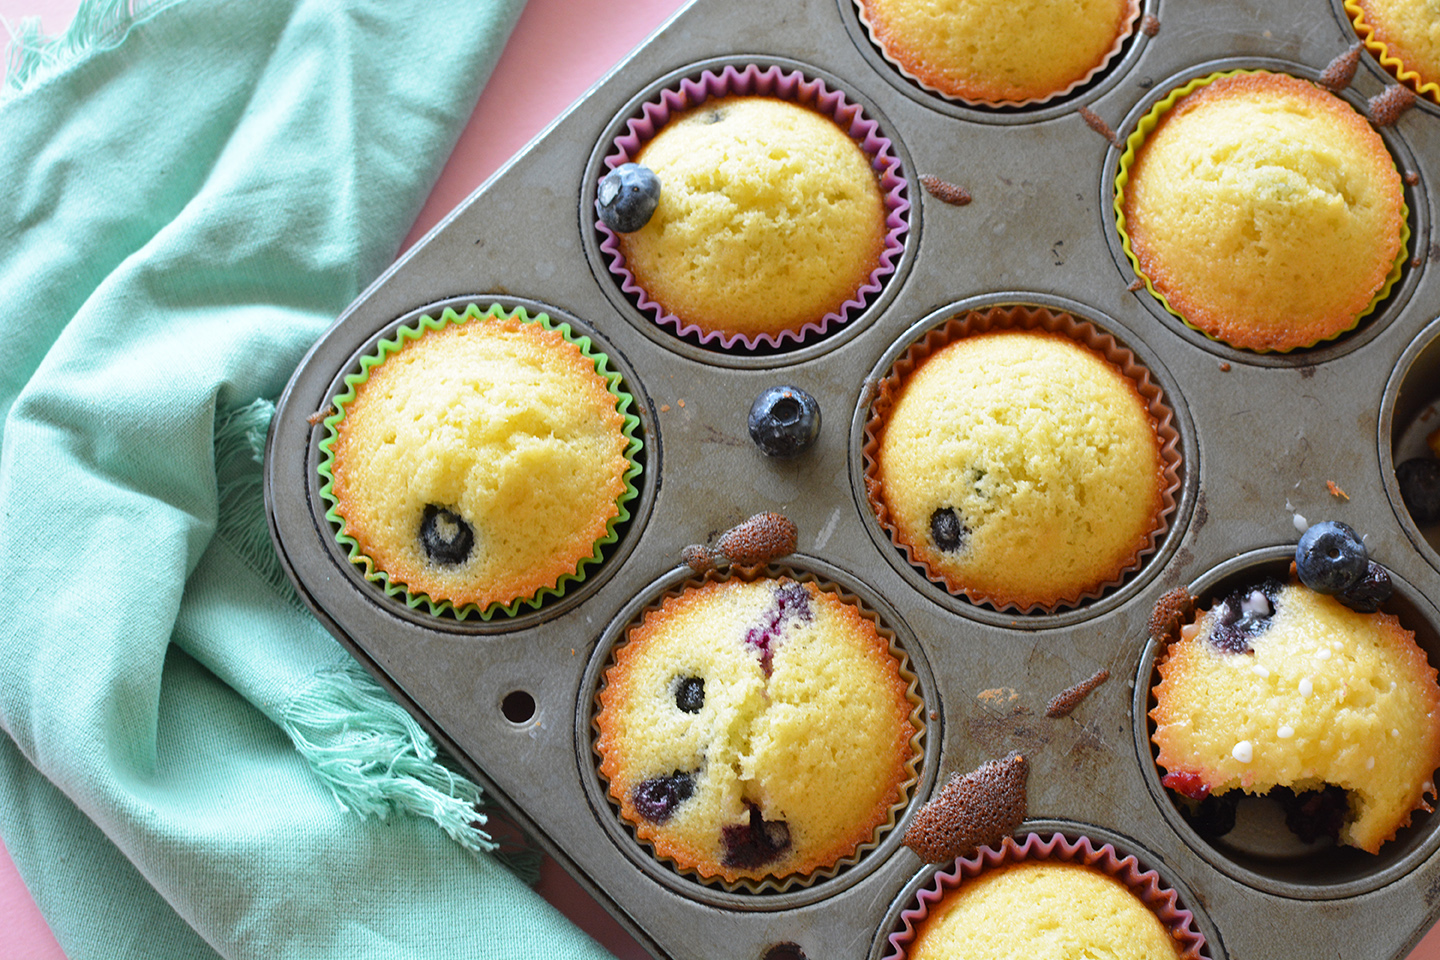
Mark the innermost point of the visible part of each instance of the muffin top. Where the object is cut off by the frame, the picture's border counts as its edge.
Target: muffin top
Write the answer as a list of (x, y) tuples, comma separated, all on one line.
[(1020, 467), (755, 729), (1281, 686), (481, 462), (770, 218), (1410, 30), (996, 52), (1046, 910), (1265, 210)]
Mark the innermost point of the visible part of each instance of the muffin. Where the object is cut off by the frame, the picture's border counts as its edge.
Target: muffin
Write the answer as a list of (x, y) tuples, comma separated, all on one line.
[(756, 729), (1046, 897), (479, 459), (770, 219), (1279, 686), (1404, 35), (999, 53), (1265, 211), (1020, 468)]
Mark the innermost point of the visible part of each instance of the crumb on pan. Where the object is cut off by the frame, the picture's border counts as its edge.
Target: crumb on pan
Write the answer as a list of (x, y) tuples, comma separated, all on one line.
[(697, 557), (1068, 699), (945, 191), (1385, 108), (1095, 122), (762, 538), (1339, 72), (973, 810), (1150, 25), (1171, 612), (1335, 490)]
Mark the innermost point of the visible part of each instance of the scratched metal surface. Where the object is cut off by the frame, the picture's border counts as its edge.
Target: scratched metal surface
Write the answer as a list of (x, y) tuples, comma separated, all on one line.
[(1260, 438)]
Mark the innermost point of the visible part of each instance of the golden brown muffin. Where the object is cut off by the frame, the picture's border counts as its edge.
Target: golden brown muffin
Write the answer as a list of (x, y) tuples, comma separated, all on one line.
[(1265, 210), (1281, 686), (756, 729), (999, 52), (481, 462), (1021, 467), (1041, 909), (770, 218), (1410, 32)]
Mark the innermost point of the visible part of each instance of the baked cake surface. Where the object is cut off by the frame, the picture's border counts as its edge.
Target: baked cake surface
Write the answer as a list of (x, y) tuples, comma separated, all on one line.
[(1041, 910), (770, 217), (481, 462), (994, 52), (1281, 686), (1410, 30), (1021, 467), (755, 729), (1265, 210)]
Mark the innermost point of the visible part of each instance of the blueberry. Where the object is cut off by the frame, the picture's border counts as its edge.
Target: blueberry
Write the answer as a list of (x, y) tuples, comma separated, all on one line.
[(656, 799), (690, 694), (784, 421), (1330, 558), (1373, 589), (627, 197), (445, 536), (947, 531), (756, 842), (1243, 615), (1420, 488)]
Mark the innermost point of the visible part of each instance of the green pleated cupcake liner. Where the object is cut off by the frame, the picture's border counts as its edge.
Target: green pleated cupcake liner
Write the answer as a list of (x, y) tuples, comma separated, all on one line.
[(391, 346), (1143, 129)]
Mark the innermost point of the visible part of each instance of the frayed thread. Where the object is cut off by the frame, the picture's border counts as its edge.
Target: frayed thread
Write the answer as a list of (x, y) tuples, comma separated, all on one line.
[(240, 516), (98, 25)]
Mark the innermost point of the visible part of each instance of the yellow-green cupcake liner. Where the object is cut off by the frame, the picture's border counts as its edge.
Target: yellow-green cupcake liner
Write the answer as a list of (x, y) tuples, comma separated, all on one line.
[(1143, 129), (415, 599), (1381, 51)]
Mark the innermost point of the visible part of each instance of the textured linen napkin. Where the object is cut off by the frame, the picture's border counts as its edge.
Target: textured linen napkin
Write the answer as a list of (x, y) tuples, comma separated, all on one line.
[(193, 767)]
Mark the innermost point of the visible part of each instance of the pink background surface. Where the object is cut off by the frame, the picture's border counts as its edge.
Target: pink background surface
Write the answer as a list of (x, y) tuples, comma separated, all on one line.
[(578, 40)]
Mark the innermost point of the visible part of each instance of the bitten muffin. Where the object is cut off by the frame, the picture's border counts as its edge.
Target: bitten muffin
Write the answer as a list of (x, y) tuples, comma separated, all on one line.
[(998, 52), (1020, 467), (481, 462), (1277, 685), (1410, 32), (1265, 210), (770, 218), (756, 729), (1034, 908)]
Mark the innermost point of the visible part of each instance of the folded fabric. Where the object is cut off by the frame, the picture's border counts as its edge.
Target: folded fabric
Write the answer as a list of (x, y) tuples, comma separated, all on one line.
[(193, 766)]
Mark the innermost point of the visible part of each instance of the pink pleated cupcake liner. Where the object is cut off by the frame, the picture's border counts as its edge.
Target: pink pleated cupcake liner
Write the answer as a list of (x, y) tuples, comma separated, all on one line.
[(772, 81), (1145, 884)]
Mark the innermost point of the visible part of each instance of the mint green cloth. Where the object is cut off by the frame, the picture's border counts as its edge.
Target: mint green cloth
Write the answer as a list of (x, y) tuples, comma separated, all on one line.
[(193, 766)]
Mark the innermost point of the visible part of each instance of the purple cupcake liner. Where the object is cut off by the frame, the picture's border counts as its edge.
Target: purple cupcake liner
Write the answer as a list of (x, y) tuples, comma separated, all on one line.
[(1145, 884), (791, 85)]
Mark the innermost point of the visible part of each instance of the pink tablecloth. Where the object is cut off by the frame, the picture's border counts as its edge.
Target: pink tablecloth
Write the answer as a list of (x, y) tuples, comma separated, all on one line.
[(577, 40)]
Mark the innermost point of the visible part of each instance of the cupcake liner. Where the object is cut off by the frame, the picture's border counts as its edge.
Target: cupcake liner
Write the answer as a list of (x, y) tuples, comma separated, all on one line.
[(1381, 51), (1127, 30), (1145, 884), (390, 346), (918, 716), (752, 80), (1039, 319), (1143, 129)]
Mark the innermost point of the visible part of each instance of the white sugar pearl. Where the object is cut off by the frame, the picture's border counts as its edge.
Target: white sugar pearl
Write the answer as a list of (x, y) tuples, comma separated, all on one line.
[(1244, 751), (1259, 670), (1285, 732), (1306, 687)]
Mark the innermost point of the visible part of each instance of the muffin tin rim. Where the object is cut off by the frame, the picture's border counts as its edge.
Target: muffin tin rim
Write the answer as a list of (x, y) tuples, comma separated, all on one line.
[(738, 357), (1143, 684), (1369, 327), (1427, 338), (823, 884), (1151, 564)]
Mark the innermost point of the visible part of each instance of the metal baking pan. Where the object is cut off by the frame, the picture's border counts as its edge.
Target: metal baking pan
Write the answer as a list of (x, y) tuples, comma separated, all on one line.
[(1260, 436)]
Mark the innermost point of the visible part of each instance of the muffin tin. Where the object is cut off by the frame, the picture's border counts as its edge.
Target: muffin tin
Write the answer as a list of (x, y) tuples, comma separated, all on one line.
[(1260, 436)]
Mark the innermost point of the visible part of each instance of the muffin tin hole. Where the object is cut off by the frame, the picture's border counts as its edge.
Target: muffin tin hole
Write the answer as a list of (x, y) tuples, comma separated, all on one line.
[(1157, 390), (645, 116), (518, 706), (1096, 85), (1260, 850), (770, 893), (1372, 323), (1409, 417), (552, 603)]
